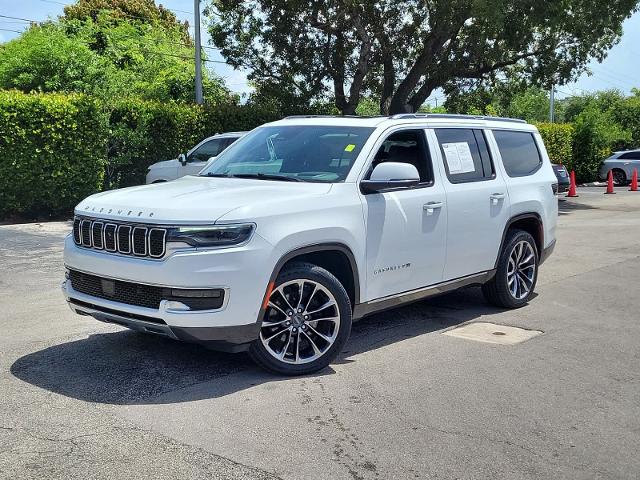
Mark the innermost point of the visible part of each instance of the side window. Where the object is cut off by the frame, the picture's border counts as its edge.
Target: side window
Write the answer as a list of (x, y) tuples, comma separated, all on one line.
[(630, 156), (228, 141), (207, 150), (519, 152), (407, 146), (465, 154)]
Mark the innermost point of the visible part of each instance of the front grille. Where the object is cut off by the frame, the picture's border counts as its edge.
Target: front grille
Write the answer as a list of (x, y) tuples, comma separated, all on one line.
[(116, 290), (138, 240), (141, 295)]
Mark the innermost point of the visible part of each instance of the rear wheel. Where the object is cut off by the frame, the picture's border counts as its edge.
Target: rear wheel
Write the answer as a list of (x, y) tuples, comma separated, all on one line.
[(517, 272), (306, 323), (619, 177)]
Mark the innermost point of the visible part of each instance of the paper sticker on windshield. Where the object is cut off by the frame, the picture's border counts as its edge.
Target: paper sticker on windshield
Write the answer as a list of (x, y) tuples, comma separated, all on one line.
[(458, 157), (349, 148)]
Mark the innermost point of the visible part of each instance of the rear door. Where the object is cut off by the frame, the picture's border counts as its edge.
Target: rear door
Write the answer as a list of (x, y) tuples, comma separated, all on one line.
[(477, 200)]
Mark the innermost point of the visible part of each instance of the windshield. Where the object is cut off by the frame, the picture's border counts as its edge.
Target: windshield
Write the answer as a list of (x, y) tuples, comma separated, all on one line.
[(309, 153)]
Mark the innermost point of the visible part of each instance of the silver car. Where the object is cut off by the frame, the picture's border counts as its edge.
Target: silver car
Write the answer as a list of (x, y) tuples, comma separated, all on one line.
[(622, 165), (194, 160)]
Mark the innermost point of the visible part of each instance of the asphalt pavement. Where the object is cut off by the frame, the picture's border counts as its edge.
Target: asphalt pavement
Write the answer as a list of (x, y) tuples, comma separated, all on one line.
[(82, 399)]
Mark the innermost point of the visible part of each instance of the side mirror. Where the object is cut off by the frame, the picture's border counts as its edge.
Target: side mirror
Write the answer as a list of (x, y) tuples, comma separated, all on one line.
[(391, 176), (182, 158)]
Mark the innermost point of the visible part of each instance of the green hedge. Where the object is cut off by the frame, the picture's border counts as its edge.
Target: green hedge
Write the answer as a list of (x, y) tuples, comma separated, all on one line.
[(558, 139), (56, 149), (52, 152)]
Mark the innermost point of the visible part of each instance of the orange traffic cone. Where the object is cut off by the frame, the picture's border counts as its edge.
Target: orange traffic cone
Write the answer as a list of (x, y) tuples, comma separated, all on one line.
[(572, 185), (634, 181), (610, 183)]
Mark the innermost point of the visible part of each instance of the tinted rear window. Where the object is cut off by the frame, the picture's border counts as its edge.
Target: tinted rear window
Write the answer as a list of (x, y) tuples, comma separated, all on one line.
[(519, 152)]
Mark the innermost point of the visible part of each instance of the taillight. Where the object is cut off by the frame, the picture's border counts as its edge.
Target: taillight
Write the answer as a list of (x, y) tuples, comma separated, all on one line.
[(554, 188)]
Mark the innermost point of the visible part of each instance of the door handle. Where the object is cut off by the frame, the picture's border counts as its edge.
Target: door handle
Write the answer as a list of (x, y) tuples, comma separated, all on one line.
[(495, 197), (429, 207)]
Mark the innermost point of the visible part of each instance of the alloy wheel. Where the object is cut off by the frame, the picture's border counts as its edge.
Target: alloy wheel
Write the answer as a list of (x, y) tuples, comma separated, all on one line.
[(521, 270), (301, 322)]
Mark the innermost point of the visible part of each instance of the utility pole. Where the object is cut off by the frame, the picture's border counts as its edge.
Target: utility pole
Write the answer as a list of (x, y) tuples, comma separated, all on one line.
[(552, 101), (196, 12)]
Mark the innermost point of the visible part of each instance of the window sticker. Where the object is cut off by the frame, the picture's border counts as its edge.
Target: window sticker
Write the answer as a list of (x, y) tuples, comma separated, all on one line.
[(458, 157), (349, 148)]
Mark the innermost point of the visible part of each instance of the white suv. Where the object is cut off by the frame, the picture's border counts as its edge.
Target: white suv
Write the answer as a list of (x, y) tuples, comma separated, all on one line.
[(308, 223)]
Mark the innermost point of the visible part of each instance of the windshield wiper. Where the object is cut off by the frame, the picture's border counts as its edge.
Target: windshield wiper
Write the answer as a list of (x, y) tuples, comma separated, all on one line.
[(221, 175), (268, 176)]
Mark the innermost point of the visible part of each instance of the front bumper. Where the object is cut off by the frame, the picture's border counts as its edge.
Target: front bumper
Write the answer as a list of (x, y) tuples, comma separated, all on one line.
[(233, 338), (243, 272)]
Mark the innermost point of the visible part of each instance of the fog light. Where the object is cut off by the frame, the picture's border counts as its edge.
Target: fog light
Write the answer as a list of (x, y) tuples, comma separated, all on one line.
[(174, 305)]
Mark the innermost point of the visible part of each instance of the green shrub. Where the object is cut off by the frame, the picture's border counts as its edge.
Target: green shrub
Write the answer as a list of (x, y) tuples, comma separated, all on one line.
[(52, 152), (596, 137), (558, 139)]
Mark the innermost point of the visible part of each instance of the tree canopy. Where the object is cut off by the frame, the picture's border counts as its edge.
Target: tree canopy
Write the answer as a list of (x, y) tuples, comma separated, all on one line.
[(400, 51), (131, 49)]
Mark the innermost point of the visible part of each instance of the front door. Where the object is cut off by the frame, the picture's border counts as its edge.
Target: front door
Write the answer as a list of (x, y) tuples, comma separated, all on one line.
[(477, 199), (406, 229), (198, 158)]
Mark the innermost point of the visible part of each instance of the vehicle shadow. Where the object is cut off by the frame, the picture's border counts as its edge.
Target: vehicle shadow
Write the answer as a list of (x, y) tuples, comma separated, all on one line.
[(566, 206), (128, 368)]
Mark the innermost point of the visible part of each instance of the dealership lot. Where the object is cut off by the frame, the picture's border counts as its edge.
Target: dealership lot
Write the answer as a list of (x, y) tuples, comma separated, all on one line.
[(81, 399)]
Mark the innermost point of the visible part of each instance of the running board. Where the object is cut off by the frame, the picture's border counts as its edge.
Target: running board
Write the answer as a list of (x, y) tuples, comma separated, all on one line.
[(385, 303)]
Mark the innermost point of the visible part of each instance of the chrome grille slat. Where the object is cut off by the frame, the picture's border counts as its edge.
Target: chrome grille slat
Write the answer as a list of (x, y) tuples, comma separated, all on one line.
[(85, 233), (122, 238), (110, 237), (97, 237), (139, 241)]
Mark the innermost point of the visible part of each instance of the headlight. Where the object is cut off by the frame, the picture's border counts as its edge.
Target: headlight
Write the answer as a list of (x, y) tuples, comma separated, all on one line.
[(211, 236)]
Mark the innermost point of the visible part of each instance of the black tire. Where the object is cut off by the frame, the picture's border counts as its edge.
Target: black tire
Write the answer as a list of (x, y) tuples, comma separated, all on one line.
[(620, 177), (497, 290), (312, 273)]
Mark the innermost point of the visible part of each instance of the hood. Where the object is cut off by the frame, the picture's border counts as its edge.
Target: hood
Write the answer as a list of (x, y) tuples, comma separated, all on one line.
[(164, 164), (193, 199)]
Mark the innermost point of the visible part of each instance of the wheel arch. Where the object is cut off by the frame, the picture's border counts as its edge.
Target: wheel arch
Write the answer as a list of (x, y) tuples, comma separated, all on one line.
[(335, 257), (530, 222)]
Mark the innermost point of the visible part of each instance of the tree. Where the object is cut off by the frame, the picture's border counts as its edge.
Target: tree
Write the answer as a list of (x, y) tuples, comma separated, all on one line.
[(110, 56), (402, 50), (139, 10), (45, 59)]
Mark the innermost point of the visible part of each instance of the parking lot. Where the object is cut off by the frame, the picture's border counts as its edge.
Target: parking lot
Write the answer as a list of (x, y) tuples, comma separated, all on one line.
[(82, 399)]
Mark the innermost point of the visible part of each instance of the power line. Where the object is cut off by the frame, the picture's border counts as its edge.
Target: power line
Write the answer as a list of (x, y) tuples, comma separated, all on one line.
[(10, 30), (21, 19)]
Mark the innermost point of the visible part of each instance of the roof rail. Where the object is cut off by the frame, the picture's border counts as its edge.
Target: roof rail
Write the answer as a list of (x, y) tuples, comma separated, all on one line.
[(455, 115), (334, 116)]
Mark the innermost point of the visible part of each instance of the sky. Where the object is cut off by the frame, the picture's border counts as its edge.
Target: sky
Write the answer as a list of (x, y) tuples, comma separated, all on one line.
[(619, 70)]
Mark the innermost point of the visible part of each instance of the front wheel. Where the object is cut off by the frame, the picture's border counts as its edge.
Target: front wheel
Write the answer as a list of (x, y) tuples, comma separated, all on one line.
[(517, 272), (306, 322)]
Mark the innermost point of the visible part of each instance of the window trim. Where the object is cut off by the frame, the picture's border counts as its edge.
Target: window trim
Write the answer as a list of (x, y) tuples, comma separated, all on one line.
[(535, 142), (473, 130), (373, 152)]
